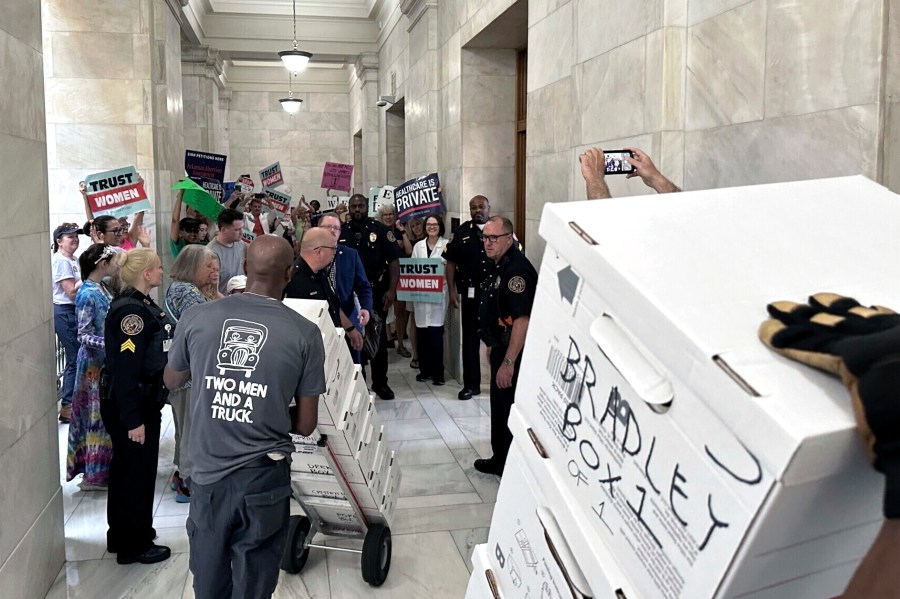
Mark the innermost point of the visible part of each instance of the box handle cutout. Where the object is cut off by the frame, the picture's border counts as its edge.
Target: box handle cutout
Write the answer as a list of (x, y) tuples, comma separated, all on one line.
[(582, 233), (492, 583), (732, 373), (538, 446), (620, 594), (563, 555), (638, 370)]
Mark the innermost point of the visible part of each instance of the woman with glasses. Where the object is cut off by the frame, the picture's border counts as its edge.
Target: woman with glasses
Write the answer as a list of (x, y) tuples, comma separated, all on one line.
[(117, 232), (430, 316), (90, 447)]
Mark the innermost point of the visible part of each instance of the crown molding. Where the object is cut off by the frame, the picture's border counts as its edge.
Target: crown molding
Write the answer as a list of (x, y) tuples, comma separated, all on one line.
[(416, 9), (366, 67)]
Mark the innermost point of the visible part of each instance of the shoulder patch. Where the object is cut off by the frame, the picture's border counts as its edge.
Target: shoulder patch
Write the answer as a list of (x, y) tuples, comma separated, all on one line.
[(127, 346), (390, 237), (372, 237), (132, 324), (516, 284)]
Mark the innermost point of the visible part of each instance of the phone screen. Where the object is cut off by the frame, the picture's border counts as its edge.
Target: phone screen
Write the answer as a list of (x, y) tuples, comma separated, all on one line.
[(616, 163)]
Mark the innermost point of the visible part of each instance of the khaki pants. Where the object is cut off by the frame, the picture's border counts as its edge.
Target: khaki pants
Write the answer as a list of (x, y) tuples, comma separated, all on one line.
[(181, 414)]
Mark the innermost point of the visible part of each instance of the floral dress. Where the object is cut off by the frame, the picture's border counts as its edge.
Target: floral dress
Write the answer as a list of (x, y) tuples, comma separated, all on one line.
[(90, 447)]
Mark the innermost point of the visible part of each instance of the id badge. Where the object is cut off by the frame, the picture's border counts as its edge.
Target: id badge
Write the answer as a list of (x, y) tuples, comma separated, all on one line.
[(471, 293), (167, 345)]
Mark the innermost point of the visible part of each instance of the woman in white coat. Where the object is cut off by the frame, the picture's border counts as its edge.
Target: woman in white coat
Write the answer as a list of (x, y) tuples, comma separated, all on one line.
[(430, 316)]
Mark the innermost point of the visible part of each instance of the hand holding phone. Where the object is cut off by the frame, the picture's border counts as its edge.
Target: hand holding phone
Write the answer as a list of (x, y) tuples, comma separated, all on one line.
[(616, 163)]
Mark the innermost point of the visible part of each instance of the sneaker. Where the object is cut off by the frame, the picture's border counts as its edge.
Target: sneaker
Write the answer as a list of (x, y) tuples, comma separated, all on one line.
[(86, 486), (182, 494), (65, 414), (176, 481)]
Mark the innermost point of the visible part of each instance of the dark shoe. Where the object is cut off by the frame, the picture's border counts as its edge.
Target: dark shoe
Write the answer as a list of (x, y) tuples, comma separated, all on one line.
[(390, 344), (156, 553), (65, 414), (383, 391), (182, 494), (437, 382), (475, 390), (423, 377), (465, 393), (489, 467)]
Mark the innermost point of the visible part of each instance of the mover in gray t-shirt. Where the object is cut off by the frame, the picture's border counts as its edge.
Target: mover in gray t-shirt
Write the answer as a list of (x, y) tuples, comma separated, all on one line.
[(248, 356), (228, 246)]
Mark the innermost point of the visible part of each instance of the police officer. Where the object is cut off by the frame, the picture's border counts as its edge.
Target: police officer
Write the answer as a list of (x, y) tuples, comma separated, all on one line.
[(377, 247), (138, 334), (503, 315), (467, 268)]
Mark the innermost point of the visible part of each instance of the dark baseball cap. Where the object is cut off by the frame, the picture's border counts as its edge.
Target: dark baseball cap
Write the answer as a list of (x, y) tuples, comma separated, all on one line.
[(66, 229), (189, 224)]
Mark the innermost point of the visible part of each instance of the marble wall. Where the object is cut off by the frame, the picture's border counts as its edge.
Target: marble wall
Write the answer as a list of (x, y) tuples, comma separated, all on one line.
[(261, 133), (31, 535)]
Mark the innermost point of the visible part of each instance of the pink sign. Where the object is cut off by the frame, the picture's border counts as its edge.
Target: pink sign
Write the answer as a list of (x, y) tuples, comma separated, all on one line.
[(337, 176)]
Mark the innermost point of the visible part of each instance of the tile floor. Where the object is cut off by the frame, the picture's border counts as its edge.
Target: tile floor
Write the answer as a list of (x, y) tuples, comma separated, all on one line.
[(444, 509)]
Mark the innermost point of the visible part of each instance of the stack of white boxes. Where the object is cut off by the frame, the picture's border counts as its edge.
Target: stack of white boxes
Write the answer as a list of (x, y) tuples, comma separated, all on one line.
[(661, 450), (350, 434)]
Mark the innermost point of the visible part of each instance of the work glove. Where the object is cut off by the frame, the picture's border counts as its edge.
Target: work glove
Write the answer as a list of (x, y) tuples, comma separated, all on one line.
[(861, 345)]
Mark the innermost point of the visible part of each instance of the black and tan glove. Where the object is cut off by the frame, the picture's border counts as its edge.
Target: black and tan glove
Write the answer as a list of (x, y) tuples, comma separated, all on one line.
[(861, 346)]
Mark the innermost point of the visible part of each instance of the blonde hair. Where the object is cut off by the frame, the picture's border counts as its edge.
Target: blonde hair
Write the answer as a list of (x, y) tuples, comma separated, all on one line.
[(133, 263)]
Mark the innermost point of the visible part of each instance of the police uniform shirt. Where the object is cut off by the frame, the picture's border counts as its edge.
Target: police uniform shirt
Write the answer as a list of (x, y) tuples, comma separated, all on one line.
[(508, 292), (376, 244), (306, 284), (249, 356), (466, 250), (135, 334)]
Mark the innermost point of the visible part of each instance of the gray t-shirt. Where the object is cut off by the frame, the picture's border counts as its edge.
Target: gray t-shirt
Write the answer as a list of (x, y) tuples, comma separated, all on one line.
[(231, 261), (248, 355)]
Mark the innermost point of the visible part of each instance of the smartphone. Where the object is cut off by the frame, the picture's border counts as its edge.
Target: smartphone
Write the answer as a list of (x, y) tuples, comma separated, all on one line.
[(616, 163)]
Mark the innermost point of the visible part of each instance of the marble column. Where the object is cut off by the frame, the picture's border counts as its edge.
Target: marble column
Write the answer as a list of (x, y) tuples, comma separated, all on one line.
[(366, 113), (422, 101), (31, 539), (201, 80)]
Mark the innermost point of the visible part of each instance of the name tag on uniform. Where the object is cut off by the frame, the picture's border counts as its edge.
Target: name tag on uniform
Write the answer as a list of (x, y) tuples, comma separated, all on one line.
[(167, 345), (471, 293)]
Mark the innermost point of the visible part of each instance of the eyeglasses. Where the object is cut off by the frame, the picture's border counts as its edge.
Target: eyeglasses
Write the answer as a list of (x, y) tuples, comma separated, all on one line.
[(331, 227), (333, 248), (118, 231), (433, 226), (494, 238)]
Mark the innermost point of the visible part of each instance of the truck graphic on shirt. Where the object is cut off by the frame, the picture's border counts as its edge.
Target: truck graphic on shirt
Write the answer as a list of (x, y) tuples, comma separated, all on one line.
[(240, 345)]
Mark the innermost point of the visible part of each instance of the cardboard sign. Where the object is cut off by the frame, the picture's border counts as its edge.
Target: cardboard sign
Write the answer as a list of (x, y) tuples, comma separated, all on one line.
[(213, 186), (203, 165), (116, 193), (419, 197), (271, 175), (379, 196), (247, 236), (421, 280), (199, 199), (281, 202), (337, 176)]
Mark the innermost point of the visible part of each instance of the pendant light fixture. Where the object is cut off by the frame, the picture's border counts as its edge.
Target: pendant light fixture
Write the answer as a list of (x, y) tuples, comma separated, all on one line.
[(291, 104), (295, 60)]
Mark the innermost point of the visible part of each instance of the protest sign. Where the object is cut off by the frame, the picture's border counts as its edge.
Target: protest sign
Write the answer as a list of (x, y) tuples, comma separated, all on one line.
[(417, 198), (229, 189), (247, 236), (281, 202), (247, 184), (271, 175), (199, 199), (421, 280), (212, 186), (203, 165), (116, 193), (379, 196), (331, 202), (337, 176)]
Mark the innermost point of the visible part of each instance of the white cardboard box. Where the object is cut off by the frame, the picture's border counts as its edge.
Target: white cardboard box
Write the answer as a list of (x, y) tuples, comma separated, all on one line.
[(482, 574), (316, 311), (720, 468), (309, 458), (369, 453)]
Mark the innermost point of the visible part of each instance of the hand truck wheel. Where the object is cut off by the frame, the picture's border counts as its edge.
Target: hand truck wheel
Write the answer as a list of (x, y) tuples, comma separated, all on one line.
[(295, 549), (376, 555)]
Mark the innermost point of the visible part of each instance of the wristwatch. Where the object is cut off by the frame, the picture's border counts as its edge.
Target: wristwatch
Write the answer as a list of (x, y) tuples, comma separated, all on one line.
[(507, 361), (350, 328)]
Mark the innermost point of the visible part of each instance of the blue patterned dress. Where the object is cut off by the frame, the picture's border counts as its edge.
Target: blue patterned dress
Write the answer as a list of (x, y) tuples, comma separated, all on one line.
[(90, 447)]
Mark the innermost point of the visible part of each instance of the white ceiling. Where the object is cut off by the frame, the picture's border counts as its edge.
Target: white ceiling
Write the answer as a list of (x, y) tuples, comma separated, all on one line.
[(250, 33)]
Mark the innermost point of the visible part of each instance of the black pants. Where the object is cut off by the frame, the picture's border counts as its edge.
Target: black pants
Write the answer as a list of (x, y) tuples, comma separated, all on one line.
[(380, 361), (132, 478), (471, 343), (237, 528), (501, 404), (430, 342)]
